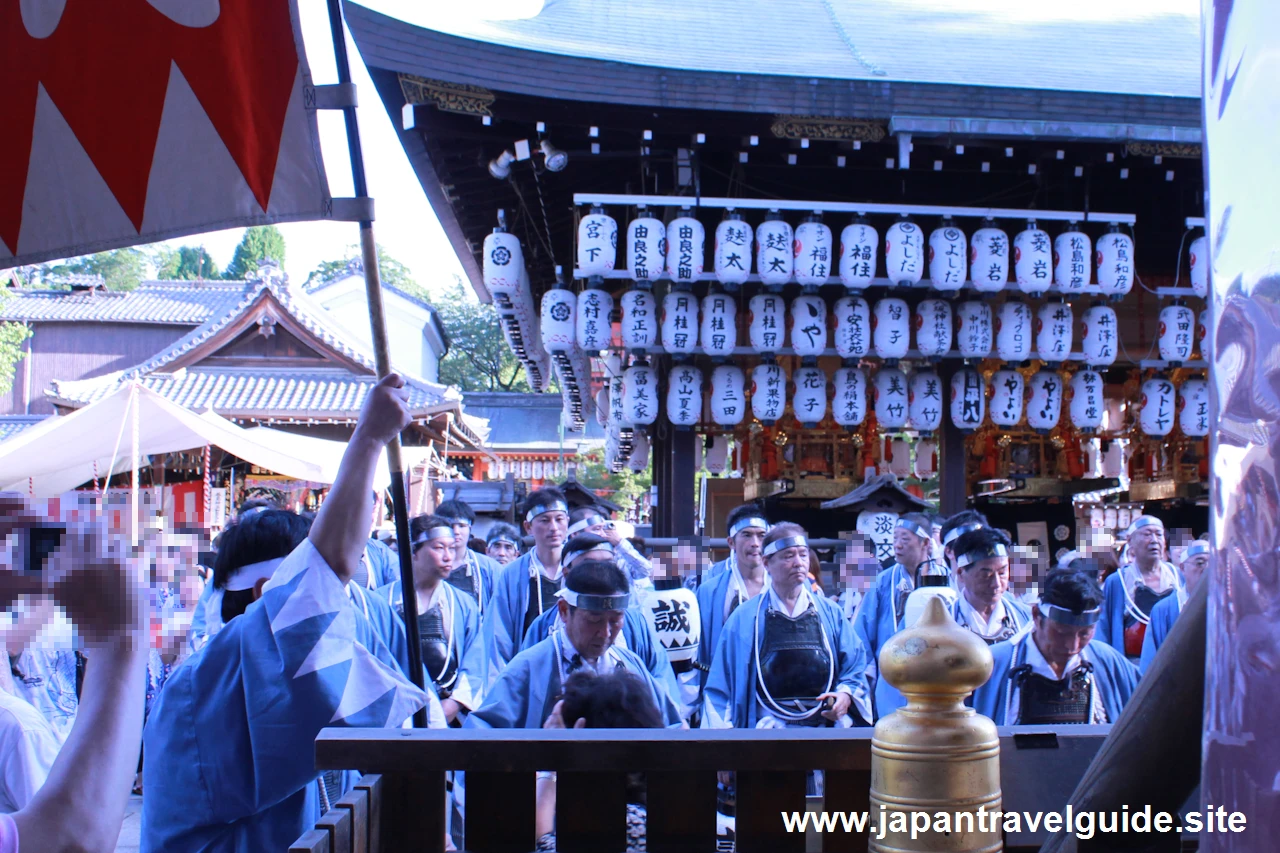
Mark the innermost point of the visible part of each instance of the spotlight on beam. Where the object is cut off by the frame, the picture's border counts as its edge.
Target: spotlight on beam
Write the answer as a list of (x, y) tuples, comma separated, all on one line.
[(556, 159), (500, 166)]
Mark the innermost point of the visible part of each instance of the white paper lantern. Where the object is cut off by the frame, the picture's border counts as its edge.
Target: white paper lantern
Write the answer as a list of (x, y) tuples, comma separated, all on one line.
[(503, 260), (878, 526), (686, 245), (813, 252), (719, 324), (1193, 408), (924, 463), (810, 401), (1013, 331), (989, 258), (1177, 333), (1033, 260), (974, 339), (602, 405), (775, 251), (1087, 404), (768, 322), (639, 320), (646, 248), (948, 256), (849, 403), (1072, 256), (1098, 335), (893, 404), (597, 243), (968, 399), (1055, 331), (733, 251), (808, 325), (1114, 257), (617, 411), (559, 332), (924, 402), (1200, 266), (1157, 413), (934, 328), (898, 459), (904, 252), (1044, 408), (684, 395), (853, 327), (640, 395), (594, 329), (891, 328), (717, 459), (859, 249), (1202, 334), (768, 393), (1007, 393), (639, 458), (1111, 518), (728, 395), (680, 323)]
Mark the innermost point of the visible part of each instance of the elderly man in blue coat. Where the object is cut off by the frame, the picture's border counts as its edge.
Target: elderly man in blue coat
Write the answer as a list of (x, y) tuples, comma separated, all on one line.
[(1136, 587), (984, 604)]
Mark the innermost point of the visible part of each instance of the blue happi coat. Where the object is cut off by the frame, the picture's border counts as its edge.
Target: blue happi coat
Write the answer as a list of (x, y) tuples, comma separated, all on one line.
[(1019, 614), (729, 699), (230, 741), (468, 688), (1163, 615), (504, 618), (485, 569), (1115, 678), (1116, 599), (527, 690), (711, 594), (875, 622)]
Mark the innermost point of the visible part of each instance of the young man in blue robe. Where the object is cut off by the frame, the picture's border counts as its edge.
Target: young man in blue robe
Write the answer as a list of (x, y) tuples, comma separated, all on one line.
[(787, 658), (984, 605), (592, 604), (589, 519), (1134, 589), (230, 742), (736, 580), (473, 573), (880, 614), (1195, 559), (512, 609), (1056, 673), (955, 526)]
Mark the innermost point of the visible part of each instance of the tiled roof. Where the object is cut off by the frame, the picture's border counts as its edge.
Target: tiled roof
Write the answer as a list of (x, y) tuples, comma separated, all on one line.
[(183, 303), (11, 425)]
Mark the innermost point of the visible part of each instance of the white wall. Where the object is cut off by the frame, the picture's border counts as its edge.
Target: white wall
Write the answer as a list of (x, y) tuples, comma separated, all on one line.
[(413, 340)]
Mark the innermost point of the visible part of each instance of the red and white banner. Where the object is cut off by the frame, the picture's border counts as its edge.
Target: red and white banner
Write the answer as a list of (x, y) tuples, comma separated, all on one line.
[(131, 121)]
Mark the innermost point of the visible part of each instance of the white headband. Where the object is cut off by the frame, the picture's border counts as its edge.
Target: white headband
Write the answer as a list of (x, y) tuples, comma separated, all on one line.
[(247, 577), (959, 530), (786, 542), (750, 521), (569, 554), (1144, 521), (1197, 547), (984, 552), (543, 509), (1064, 616), (586, 601), (911, 526), (437, 532), (583, 523)]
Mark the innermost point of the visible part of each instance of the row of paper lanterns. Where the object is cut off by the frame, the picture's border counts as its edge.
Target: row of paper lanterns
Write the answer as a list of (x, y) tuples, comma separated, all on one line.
[(899, 401), (809, 255), (687, 326)]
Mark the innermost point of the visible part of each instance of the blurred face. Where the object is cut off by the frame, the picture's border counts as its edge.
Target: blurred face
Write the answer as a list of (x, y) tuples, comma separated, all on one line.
[(746, 546), (591, 631), (434, 558), (986, 580), (909, 549), (788, 568), (858, 567), (1146, 545), (548, 529), (1059, 643), (502, 551), (1193, 569)]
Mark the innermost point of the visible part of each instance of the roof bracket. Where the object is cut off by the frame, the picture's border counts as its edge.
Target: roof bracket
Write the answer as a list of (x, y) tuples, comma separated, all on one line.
[(351, 209), (332, 96)]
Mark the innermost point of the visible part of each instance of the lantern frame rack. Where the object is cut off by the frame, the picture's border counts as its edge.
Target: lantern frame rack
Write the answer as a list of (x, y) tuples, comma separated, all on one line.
[(912, 355)]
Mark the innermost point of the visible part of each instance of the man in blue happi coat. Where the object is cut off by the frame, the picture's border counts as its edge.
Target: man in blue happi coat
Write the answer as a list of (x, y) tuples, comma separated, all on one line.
[(1134, 589), (1195, 559), (230, 742), (473, 573), (955, 526), (590, 519), (1056, 673), (592, 604), (985, 606), (731, 582)]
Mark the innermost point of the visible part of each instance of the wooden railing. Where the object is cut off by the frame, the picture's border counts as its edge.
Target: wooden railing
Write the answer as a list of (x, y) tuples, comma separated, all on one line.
[(401, 807)]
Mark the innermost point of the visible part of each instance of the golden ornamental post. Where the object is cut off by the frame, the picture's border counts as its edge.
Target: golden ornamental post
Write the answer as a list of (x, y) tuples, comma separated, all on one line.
[(935, 764)]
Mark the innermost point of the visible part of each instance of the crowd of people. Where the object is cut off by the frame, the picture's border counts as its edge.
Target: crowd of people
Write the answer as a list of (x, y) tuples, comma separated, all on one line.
[(556, 624)]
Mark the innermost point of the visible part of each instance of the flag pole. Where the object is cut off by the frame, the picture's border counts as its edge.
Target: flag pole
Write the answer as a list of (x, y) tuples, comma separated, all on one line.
[(382, 360)]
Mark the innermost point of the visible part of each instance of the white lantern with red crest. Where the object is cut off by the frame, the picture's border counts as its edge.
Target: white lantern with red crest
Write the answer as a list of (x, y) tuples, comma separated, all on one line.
[(1055, 330), (813, 252), (925, 404), (1008, 391), (948, 255), (968, 399), (853, 327), (768, 393), (1087, 404), (893, 403), (680, 323), (1114, 258), (891, 328), (646, 248), (733, 251), (1193, 408), (974, 338), (775, 251), (1200, 266), (859, 249), (594, 307), (597, 243), (810, 401), (849, 403), (1158, 401), (639, 395), (934, 328), (1044, 408), (719, 325), (904, 252), (559, 332), (768, 322), (1033, 260), (728, 395), (639, 320), (1202, 334), (686, 248), (1098, 332), (989, 258), (684, 395), (1013, 332), (1072, 259), (1177, 333), (808, 325)]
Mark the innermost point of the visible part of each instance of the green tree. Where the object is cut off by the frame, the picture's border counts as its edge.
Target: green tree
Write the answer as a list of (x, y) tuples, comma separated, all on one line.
[(121, 269), (623, 488), (186, 263), (12, 336), (390, 271), (478, 358), (257, 244)]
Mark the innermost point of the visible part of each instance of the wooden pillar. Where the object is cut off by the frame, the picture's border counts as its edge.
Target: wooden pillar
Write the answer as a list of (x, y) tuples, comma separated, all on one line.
[(952, 488), (673, 469)]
